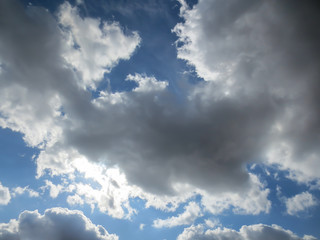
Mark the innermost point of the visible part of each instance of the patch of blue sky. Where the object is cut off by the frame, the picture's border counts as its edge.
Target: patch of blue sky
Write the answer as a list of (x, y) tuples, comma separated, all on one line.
[(156, 56), (17, 167)]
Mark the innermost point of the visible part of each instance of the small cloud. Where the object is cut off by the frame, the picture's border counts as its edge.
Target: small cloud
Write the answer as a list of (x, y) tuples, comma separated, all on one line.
[(25, 190), (55, 190), (191, 213), (300, 203), (75, 200), (141, 227)]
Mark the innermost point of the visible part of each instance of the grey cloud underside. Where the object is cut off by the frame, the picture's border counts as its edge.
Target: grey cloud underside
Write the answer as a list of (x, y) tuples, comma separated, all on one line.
[(54, 224), (195, 144), (266, 50), (205, 140)]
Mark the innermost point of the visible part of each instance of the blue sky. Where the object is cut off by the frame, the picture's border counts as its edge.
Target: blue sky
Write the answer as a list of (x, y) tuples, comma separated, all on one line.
[(159, 120)]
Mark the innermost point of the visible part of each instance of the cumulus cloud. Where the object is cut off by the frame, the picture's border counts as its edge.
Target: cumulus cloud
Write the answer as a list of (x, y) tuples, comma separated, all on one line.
[(249, 52), (4, 195), (300, 202), (93, 46), (191, 213), (54, 224), (144, 130), (158, 142), (164, 145), (251, 232)]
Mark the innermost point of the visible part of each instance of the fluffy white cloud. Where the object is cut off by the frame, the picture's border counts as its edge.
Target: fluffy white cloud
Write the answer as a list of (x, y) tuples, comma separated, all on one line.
[(251, 232), (54, 224), (191, 212), (300, 202), (55, 190), (147, 84), (4, 195), (94, 46)]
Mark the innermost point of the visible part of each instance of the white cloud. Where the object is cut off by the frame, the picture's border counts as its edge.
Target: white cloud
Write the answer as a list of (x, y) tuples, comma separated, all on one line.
[(94, 46), (141, 226), (75, 200), (110, 191), (55, 190), (251, 232), (212, 223), (147, 84), (4, 195), (23, 190), (191, 213), (167, 141), (300, 202), (54, 224)]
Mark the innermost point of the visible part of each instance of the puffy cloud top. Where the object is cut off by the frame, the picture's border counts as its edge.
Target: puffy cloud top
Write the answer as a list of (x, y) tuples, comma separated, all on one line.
[(54, 224), (251, 232)]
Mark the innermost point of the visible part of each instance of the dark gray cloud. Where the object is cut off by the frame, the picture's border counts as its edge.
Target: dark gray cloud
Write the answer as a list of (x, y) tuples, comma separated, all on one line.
[(261, 70), (251, 232), (54, 224), (268, 51)]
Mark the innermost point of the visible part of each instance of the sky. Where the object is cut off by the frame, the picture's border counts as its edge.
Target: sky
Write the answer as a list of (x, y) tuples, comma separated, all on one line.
[(152, 119)]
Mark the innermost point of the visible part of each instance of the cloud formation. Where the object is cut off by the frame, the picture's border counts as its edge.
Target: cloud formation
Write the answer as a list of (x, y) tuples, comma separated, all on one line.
[(54, 224), (93, 46), (191, 213), (250, 52), (300, 203), (4, 195), (170, 146), (24, 190), (251, 232), (155, 139)]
